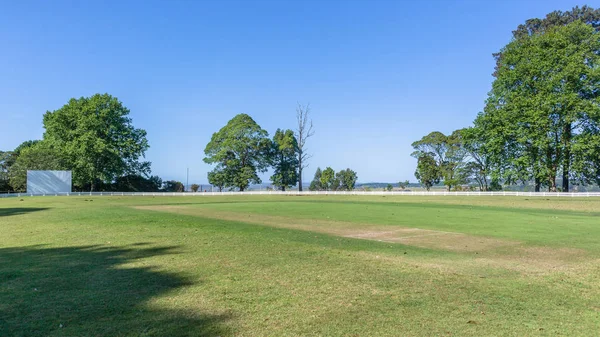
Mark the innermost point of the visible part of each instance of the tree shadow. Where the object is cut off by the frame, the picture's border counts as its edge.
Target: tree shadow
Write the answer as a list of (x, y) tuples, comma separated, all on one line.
[(90, 291), (19, 210)]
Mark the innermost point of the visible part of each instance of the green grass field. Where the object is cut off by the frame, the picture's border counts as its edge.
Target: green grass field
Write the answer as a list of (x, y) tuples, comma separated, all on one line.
[(299, 266)]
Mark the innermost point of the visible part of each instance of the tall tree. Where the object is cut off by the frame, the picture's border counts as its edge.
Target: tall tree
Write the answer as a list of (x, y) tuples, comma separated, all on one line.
[(241, 149), (428, 172), (284, 160), (546, 91), (303, 132), (315, 184), (98, 139)]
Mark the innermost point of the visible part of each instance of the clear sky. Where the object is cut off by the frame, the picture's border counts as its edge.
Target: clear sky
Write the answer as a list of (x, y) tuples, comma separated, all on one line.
[(378, 74)]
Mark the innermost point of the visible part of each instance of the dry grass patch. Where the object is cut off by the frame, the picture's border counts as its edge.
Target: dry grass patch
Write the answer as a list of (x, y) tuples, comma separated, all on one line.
[(482, 251)]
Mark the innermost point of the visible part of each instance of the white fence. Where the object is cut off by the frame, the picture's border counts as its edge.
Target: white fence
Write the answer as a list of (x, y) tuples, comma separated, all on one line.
[(385, 193)]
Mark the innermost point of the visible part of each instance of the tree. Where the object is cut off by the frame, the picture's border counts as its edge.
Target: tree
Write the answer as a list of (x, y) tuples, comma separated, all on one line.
[(389, 187), (241, 149), (542, 113), (316, 185), (217, 178), (585, 14), (138, 183), (98, 139), (447, 153), (173, 186), (303, 132), (403, 184), (195, 188), (428, 172), (347, 179), (328, 179), (284, 159), (40, 156)]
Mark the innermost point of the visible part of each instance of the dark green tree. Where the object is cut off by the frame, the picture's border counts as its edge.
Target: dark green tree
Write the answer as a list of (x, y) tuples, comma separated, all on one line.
[(543, 114), (241, 150), (173, 186), (284, 159), (347, 179), (98, 139), (447, 153), (428, 172), (315, 184)]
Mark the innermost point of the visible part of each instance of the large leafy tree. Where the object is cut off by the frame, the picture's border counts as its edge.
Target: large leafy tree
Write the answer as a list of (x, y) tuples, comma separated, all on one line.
[(241, 150), (98, 139), (446, 152), (535, 26), (284, 159), (543, 113)]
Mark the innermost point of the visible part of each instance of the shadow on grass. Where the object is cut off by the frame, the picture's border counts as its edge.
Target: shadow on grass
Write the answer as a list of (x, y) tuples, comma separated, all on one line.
[(19, 210), (87, 291)]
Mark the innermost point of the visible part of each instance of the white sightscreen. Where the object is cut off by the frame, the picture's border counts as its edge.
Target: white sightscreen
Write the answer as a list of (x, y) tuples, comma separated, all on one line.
[(48, 182)]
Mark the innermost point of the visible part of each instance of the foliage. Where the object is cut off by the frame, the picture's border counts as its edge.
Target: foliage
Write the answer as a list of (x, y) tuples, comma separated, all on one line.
[(389, 187), (40, 156), (241, 149), (138, 183), (403, 184), (428, 171), (346, 179), (447, 153), (315, 184), (328, 181), (542, 117), (284, 159), (218, 178), (173, 186), (195, 188), (97, 138)]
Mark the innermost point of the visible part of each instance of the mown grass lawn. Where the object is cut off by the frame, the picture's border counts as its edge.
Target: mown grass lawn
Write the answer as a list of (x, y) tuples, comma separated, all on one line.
[(299, 266)]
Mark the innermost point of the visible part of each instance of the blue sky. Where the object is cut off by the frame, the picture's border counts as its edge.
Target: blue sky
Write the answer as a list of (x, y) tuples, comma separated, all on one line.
[(378, 74)]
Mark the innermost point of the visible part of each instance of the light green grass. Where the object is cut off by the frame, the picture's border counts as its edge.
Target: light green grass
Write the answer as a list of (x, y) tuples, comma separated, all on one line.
[(74, 267)]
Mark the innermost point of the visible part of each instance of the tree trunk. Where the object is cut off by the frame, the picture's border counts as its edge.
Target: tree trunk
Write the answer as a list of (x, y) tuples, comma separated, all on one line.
[(537, 184), (552, 184), (566, 167), (300, 172)]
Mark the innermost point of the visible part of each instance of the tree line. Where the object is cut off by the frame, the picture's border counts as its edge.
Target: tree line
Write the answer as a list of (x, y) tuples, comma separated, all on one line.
[(541, 120), (242, 149)]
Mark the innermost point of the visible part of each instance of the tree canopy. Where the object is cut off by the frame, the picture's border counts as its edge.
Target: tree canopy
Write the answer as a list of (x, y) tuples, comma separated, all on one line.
[(542, 116), (241, 150), (97, 138)]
